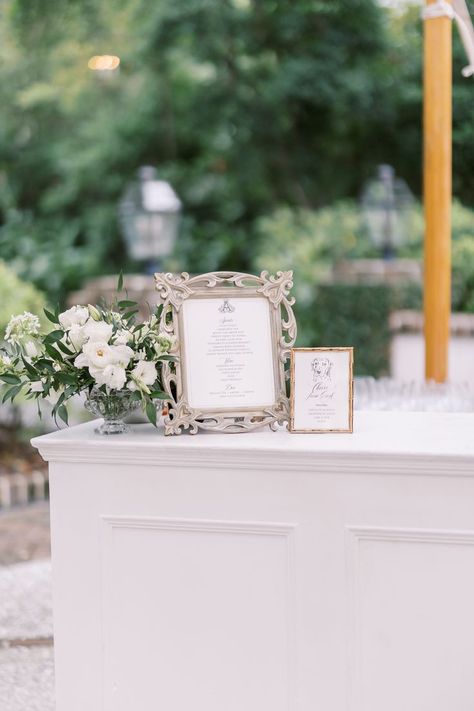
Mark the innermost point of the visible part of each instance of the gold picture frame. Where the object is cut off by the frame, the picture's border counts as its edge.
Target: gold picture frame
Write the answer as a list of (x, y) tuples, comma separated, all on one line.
[(322, 388)]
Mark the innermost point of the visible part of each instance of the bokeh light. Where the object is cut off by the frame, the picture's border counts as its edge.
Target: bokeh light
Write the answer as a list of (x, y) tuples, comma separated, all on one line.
[(103, 62)]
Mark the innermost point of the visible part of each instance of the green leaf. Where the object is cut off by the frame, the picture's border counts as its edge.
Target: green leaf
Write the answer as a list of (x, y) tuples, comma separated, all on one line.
[(64, 349), (125, 303), (12, 392), (62, 413), (159, 395), (120, 281), (10, 379), (170, 358), (29, 369), (52, 351), (130, 314), (45, 365), (150, 409), (66, 378), (50, 316), (54, 336)]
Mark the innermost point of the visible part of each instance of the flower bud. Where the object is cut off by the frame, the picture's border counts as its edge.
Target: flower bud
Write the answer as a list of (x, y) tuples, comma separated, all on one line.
[(94, 312)]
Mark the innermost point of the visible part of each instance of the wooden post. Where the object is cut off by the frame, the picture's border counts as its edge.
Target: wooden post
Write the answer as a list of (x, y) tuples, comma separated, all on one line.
[(437, 193)]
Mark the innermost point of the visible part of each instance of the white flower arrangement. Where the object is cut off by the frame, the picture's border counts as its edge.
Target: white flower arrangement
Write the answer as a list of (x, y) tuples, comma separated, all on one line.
[(90, 347)]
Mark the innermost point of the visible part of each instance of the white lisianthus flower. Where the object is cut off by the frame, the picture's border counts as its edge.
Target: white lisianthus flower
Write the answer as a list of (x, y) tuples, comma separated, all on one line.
[(76, 337), (97, 331), (145, 371), (122, 337), (36, 386), (140, 355), (121, 355), (113, 376), (142, 375), (5, 364), (21, 327), (81, 361), (98, 354), (75, 316)]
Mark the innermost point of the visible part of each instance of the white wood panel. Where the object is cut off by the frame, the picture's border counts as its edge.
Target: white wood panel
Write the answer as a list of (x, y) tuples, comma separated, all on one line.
[(206, 606), (411, 605)]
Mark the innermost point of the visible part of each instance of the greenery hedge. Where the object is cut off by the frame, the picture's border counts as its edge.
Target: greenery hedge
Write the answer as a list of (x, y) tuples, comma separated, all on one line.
[(356, 315), (311, 241)]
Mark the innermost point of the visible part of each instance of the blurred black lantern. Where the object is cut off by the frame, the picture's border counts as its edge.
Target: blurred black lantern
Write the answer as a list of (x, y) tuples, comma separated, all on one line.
[(150, 213), (386, 206)]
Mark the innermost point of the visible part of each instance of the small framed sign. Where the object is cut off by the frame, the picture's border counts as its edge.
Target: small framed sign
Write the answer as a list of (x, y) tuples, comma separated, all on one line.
[(321, 390), (233, 335)]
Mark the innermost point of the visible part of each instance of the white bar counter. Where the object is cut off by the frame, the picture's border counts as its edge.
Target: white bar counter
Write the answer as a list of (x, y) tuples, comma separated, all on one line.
[(265, 571)]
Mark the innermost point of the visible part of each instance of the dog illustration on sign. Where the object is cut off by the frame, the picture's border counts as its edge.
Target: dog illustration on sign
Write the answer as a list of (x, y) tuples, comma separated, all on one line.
[(323, 387)]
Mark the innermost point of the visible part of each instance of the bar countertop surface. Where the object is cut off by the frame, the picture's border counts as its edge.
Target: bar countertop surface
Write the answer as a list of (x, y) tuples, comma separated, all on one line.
[(381, 440)]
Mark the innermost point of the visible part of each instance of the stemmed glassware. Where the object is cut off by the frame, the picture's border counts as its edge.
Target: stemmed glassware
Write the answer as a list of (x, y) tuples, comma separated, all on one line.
[(388, 394)]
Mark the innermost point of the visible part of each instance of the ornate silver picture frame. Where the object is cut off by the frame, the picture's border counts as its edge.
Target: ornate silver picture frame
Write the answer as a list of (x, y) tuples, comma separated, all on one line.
[(238, 323)]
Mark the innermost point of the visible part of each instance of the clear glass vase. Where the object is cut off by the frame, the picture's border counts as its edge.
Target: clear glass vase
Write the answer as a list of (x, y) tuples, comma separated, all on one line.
[(113, 407)]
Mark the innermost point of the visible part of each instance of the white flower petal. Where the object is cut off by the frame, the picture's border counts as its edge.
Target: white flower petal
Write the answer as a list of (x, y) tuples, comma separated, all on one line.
[(98, 331), (82, 361), (75, 316), (145, 372), (113, 376)]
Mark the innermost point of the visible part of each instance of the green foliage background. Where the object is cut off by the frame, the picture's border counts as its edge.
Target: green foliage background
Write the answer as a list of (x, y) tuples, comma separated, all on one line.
[(261, 113), (243, 105), (17, 296)]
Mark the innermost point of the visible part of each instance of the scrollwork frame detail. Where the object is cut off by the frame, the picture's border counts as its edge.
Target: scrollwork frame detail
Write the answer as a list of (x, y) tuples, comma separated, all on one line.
[(173, 291)]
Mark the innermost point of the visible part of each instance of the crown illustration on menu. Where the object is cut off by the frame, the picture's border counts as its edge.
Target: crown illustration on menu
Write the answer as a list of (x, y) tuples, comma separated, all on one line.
[(226, 308)]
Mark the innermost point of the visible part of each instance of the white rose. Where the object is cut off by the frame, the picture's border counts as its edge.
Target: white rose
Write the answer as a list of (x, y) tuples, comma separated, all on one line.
[(98, 331), (121, 355), (113, 376), (76, 337), (98, 354), (75, 316), (144, 373)]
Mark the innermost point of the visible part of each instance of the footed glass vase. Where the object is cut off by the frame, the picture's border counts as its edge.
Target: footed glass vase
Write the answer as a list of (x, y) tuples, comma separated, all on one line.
[(113, 407)]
